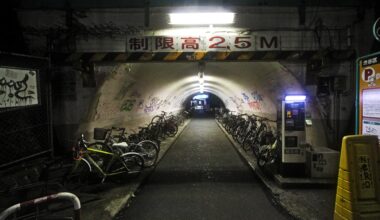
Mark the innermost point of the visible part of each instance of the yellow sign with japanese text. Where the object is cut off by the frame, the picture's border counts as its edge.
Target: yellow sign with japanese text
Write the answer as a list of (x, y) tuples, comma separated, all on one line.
[(368, 95), (358, 190)]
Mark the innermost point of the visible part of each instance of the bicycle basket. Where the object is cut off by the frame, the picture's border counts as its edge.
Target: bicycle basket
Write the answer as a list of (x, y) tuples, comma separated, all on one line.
[(100, 133)]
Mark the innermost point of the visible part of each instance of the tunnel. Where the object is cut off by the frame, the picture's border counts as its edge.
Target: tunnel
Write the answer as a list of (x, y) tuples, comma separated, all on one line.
[(172, 109), (130, 94)]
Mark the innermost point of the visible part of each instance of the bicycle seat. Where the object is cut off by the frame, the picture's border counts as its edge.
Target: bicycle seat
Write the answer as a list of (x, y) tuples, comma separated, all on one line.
[(121, 144)]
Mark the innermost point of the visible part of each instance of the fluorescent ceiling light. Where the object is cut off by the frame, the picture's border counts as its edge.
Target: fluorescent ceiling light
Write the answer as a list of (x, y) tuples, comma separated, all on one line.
[(295, 98), (202, 18)]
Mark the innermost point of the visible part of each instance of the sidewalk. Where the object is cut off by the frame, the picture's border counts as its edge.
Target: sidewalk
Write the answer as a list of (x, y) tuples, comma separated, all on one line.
[(301, 203)]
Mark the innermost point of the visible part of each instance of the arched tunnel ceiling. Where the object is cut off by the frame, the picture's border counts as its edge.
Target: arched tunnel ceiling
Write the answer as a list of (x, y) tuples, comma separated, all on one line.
[(237, 84), (133, 93), (145, 89)]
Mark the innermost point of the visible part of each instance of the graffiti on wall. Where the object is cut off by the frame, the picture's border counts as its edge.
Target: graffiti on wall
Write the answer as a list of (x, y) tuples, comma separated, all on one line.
[(257, 96), (254, 101), (18, 87), (245, 97), (154, 104), (128, 105), (238, 103)]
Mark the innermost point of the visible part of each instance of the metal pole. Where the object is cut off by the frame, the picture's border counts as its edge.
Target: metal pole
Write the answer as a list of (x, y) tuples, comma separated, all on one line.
[(63, 195)]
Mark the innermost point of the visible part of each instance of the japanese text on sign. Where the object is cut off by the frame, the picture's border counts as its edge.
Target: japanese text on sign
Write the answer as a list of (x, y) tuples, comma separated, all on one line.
[(366, 184), (369, 95), (201, 43)]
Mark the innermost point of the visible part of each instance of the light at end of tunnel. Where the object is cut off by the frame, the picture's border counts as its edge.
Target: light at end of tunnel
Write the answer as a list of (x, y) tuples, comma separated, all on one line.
[(295, 98), (208, 18), (203, 96)]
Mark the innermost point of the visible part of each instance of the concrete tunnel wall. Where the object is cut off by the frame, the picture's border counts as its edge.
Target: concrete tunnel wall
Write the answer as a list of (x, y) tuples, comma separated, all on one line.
[(131, 94)]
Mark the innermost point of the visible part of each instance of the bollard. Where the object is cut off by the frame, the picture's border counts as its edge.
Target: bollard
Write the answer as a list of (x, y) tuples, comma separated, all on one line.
[(63, 195), (358, 190)]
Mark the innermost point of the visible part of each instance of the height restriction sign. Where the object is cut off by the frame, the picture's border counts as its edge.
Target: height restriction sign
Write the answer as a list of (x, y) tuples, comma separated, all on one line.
[(368, 95)]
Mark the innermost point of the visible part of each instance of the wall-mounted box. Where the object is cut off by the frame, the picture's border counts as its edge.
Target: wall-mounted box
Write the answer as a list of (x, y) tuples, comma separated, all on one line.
[(322, 163)]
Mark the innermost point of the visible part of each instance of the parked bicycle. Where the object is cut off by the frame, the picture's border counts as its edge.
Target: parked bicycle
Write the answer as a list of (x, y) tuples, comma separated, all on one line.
[(254, 133), (116, 139), (160, 127), (104, 162), (270, 153)]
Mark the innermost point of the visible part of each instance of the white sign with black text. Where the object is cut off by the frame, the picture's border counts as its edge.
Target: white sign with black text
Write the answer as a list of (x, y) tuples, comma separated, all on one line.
[(18, 87)]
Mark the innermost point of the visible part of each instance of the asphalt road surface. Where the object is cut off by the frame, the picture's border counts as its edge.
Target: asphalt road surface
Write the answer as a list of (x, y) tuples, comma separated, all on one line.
[(202, 177)]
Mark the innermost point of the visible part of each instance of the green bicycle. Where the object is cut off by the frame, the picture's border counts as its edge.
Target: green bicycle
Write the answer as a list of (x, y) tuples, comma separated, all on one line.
[(103, 162)]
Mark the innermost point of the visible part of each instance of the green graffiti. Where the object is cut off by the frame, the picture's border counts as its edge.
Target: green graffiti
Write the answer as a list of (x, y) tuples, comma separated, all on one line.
[(128, 105)]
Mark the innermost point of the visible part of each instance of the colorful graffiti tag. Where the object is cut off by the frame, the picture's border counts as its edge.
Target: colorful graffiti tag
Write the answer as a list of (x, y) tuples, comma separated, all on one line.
[(245, 97), (128, 105), (253, 100), (257, 96), (154, 104)]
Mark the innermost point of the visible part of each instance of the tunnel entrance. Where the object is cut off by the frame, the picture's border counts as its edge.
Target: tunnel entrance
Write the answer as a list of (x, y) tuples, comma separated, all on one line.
[(129, 95), (204, 102)]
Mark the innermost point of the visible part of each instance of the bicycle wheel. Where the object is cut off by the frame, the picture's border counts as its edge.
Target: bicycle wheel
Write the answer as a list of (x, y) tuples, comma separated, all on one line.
[(262, 158), (156, 119), (78, 175), (255, 148), (247, 142), (133, 162), (240, 136), (171, 129), (148, 150)]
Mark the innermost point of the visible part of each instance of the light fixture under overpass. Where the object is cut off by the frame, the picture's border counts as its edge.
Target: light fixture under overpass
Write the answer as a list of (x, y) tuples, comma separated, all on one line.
[(201, 18)]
